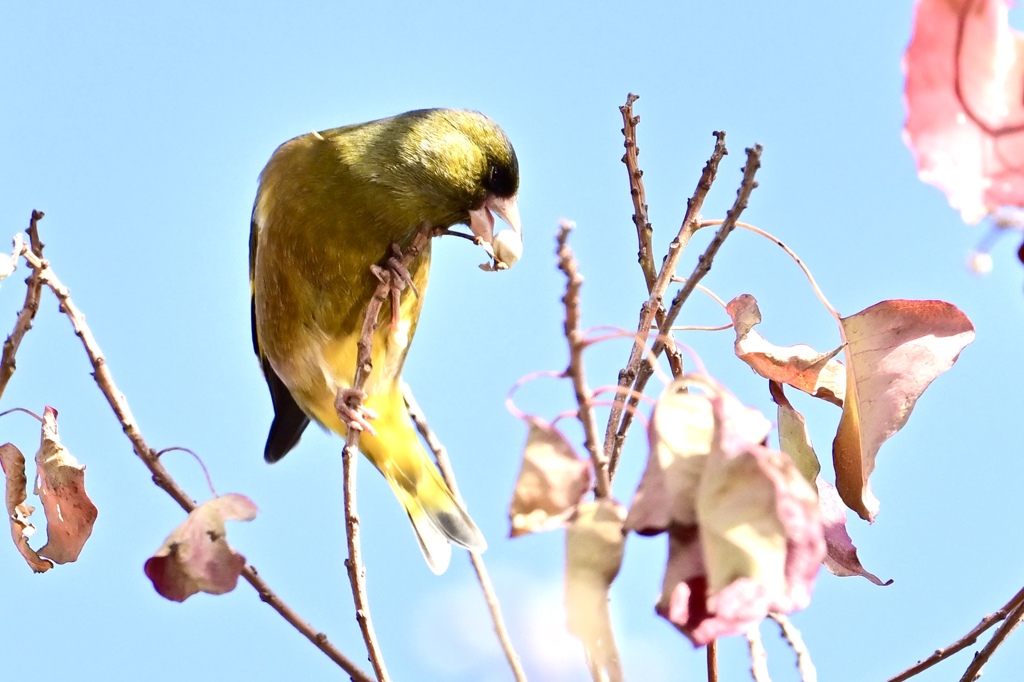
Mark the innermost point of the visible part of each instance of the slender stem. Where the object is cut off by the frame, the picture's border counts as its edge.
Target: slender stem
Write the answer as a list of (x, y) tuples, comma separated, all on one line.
[(33, 290), (644, 231), (713, 661), (808, 673), (807, 273), (490, 596), (968, 639), (646, 370), (758, 656), (577, 342), (613, 439), (119, 405), (349, 456), (1013, 619)]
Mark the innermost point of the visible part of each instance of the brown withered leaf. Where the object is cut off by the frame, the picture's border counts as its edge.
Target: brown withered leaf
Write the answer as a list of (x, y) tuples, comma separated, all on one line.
[(594, 544), (196, 557), (60, 485), (18, 512), (800, 366), (894, 350), (552, 480)]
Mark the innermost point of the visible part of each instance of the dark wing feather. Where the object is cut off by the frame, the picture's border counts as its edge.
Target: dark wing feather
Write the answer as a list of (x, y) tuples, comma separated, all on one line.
[(289, 419)]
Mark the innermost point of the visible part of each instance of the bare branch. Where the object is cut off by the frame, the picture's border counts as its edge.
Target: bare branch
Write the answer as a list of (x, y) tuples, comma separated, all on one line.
[(33, 290), (691, 220), (577, 342), (968, 639), (808, 673), (490, 596), (645, 256), (364, 364), (1013, 619), (149, 457), (646, 369)]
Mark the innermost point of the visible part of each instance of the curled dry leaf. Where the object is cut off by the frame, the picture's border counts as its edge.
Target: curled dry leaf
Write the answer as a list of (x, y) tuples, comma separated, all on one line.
[(794, 438), (594, 544), (894, 350), (800, 366), (196, 556), (18, 512), (969, 143), (60, 485), (840, 554), (680, 435), (551, 482), (745, 534)]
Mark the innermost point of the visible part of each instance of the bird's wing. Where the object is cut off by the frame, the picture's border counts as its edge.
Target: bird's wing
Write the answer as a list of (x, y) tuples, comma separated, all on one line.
[(289, 419)]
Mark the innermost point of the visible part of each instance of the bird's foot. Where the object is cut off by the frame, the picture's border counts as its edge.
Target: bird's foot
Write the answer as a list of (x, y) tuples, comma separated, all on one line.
[(350, 408), (397, 277)]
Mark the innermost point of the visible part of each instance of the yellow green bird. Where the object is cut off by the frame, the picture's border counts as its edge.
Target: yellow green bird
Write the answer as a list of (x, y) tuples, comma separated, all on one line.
[(329, 206)]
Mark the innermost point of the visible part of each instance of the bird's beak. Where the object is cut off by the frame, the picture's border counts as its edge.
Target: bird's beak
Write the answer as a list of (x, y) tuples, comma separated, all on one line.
[(507, 247)]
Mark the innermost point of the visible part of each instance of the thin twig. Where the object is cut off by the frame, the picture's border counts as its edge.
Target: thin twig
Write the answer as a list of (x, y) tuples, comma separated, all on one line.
[(349, 456), (612, 440), (645, 256), (490, 596), (644, 230), (808, 673), (758, 656), (789, 252), (713, 661), (577, 342), (33, 290), (968, 639), (646, 369), (161, 477), (1013, 619)]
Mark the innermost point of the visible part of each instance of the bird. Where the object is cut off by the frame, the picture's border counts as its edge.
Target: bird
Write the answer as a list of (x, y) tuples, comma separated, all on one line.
[(332, 209)]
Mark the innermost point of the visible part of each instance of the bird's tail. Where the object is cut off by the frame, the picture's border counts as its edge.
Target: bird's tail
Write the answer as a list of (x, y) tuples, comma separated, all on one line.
[(437, 518)]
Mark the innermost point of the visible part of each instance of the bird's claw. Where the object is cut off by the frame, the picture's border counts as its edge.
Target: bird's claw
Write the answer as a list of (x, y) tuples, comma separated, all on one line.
[(358, 416)]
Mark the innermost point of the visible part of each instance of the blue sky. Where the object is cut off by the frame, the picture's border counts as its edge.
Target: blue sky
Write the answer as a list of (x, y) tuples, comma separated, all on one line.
[(140, 130)]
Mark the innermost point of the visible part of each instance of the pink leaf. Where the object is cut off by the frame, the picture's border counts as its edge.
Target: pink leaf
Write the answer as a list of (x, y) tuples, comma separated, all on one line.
[(754, 543), (800, 366), (841, 556), (196, 556), (969, 143), (551, 482), (60, 485), (894, 350), (680, 434)]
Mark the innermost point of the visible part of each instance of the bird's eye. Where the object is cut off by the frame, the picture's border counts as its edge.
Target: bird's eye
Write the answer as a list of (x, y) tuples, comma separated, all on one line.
[(501, 180)]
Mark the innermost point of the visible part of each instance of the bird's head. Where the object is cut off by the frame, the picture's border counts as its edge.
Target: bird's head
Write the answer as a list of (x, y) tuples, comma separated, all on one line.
[(470, 170)]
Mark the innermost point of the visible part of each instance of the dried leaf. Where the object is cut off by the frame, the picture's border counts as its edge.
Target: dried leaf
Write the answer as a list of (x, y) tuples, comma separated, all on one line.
[(794, 438), (759, 522), (968, 145), (594, 545), (895, 349), (757, 543), (841, 555), (60, 485), (551, 482), (18, 512), (196, 556), (800, 366), (680, 434)]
